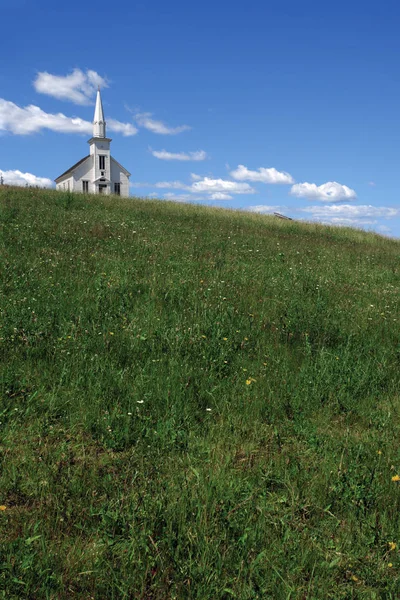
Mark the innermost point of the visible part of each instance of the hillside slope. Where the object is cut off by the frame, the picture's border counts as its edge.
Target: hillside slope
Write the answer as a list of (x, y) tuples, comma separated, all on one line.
[(195, 403)]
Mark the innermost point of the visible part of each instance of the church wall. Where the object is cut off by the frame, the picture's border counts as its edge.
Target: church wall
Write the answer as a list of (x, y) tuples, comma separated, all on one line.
[(84, 172), (118, 176), (66, 185)]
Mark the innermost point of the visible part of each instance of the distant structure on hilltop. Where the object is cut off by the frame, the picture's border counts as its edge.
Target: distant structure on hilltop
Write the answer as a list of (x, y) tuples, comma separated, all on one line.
[(99, 172)]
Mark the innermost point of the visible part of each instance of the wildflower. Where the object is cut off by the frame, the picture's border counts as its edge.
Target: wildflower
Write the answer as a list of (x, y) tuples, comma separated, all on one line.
[(392, 546), (129, 414), (2, 507), (390, 565), (111, 332), (250, 381), (379, 452), (354, 578), (140, 401), (208, 409), (396, 478), (225, 339), (204, 337)]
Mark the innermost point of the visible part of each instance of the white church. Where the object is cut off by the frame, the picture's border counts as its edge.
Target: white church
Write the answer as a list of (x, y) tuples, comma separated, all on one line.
[(99, 172)]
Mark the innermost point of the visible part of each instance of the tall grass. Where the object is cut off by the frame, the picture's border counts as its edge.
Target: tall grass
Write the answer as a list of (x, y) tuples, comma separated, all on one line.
[(195, 403)]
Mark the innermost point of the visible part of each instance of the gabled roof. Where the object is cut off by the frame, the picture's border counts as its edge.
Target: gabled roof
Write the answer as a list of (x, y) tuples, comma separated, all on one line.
[(72, 168), (121, 167)]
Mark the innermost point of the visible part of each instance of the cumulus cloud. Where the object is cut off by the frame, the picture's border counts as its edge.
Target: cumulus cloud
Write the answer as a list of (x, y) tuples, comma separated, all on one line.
[(164, 155), (264, 209), (145, 120), (18, 178), (327, 192), (78, 87), (348, 222), (220, 196), (212, 186), (182, 197), (350, 211), (384, 229), (32, 119), (216, 189), (127, 129), (174, 185), (263, 175)]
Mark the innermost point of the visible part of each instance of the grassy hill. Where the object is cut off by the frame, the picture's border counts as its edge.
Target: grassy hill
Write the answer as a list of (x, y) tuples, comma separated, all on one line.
[(195, 403)]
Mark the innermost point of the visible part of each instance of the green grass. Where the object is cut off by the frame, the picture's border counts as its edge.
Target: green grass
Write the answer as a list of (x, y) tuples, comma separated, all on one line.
[(195, 403)]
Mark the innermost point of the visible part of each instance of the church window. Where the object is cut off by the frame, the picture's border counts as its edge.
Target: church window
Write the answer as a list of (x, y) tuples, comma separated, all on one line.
[(117, 189), (85, 187), (102, 162)]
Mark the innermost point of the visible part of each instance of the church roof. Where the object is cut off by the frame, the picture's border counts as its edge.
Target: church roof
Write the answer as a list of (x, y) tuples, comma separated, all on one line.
[(98, 111), (72, 168), (121, 167)]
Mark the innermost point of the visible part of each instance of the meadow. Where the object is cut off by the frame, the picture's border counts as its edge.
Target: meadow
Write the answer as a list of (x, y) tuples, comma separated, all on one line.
[(195, 403)]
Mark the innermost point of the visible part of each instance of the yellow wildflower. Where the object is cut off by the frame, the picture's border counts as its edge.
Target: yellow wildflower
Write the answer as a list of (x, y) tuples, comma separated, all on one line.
[(396, 478), (249, 381), (225, 339), (392, 545), (354, 577), (2, 507), (379, 452), (390, 565)]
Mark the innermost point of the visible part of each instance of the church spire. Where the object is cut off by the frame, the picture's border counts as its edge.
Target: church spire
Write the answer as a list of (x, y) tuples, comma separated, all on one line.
[(99, 124)]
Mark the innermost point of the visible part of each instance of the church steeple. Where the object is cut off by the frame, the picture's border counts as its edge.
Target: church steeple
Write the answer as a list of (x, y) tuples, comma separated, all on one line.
[(99, 124)]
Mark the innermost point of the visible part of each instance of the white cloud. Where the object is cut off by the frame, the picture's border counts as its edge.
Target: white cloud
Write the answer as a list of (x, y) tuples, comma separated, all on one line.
[(145, 120), (216, 189), (174, 185), (164, 155), (195, 177), (18, 178), (350, 211), (347, 222), (182, 197), (265, 209), (127, 129), (263, 175), (220, 196), (212, 186), (78, 87), (327, 192), (32, 119)]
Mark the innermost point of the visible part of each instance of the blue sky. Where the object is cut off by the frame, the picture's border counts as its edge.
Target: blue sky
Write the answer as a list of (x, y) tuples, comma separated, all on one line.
[(266, 105)]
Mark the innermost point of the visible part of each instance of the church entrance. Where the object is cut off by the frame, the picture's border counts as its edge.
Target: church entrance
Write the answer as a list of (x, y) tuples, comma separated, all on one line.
[(102, 188)]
